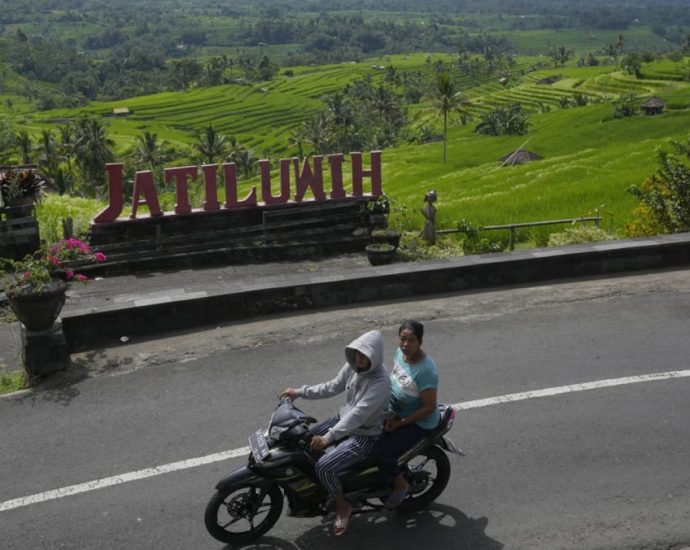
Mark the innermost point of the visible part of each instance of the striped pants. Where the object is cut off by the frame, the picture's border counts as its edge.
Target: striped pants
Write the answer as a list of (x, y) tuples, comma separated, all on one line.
[(341, 456)]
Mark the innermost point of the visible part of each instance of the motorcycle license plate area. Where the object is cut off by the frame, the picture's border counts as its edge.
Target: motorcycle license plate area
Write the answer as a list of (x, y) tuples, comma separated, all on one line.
[(258, 446)]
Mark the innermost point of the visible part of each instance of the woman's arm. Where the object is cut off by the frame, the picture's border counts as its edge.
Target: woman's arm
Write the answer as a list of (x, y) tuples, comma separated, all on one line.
[(428, 398)]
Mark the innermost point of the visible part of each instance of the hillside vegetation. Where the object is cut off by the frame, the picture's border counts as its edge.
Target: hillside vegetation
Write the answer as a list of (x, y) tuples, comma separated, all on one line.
[(572, 104), (590, 157)]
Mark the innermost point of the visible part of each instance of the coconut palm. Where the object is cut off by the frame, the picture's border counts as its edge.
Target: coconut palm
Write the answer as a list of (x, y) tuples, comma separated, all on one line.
[(385, 103), (93, 149), (448, 100), (67, 146), (560, 56), (316, 131), (502, 120), (149, 152), (245, 159), (296, 140), (50, 163), (210, 145), (23, 142)]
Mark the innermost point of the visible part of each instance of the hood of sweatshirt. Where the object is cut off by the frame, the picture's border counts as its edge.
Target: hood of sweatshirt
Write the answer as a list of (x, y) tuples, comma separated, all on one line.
[(369, 344)]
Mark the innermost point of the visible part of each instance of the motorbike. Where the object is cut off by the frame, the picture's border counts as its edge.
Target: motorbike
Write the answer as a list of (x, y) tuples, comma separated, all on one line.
[(249, 501)]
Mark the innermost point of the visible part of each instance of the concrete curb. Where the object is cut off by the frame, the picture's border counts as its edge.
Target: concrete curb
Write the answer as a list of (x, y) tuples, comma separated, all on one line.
[(103, 326)]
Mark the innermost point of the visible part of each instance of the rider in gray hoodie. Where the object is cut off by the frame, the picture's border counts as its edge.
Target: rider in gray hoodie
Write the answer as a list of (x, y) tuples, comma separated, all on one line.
[(360, 422)]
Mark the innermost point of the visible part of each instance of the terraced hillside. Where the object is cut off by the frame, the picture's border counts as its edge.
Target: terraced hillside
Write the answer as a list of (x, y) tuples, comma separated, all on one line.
[(260, 116), (589, 160)]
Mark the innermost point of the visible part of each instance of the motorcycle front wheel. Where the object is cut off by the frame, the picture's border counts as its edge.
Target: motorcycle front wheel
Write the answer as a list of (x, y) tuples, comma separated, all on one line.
[(428, 475), (243, 512)]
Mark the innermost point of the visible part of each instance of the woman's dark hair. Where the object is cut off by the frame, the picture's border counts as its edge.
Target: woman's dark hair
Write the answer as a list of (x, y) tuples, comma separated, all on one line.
[(416, 327)]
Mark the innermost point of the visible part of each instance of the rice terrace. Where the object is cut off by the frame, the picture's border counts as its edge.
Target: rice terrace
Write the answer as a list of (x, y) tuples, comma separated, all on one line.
[(260, 81)]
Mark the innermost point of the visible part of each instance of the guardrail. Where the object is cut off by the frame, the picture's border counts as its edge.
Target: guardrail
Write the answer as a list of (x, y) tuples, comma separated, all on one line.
[(513, 226)]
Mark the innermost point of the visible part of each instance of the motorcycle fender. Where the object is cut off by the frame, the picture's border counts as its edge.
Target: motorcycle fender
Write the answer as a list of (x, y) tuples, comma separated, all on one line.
[(242, 475), (447, 445)]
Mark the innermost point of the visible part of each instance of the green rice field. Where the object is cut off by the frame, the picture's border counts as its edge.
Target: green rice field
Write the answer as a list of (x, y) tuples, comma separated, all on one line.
[(589, 157)]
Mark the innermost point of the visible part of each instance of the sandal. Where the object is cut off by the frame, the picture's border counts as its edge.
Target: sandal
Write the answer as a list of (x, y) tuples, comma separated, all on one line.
[(395, 498), (340, 525)]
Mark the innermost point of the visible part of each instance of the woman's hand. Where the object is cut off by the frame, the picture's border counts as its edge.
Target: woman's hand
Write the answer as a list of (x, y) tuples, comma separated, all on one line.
[(288, 392), (318, 442), (392, 423)]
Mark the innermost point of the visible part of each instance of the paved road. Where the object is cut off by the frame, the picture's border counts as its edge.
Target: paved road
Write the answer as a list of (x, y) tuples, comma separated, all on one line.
[(602, 468)]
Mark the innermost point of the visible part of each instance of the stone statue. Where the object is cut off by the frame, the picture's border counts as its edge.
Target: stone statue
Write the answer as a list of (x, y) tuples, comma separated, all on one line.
[(429, 213)]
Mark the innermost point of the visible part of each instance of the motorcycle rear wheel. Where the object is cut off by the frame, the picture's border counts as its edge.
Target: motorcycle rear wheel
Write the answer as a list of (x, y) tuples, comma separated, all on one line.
[(430, 471), (232, 514)]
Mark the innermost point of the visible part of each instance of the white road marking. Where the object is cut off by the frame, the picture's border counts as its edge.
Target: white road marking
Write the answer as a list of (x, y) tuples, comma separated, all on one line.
[(548, 392), (234, 453), (122, 478)]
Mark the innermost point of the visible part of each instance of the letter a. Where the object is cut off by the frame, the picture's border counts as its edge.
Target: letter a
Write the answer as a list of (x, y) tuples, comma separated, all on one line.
[(144, 184)]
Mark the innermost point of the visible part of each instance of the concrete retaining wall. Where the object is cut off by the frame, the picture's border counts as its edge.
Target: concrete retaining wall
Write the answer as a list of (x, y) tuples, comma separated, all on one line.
[(90, 329)]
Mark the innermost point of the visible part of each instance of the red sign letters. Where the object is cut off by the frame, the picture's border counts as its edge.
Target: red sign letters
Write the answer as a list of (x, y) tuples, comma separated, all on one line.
[(306, 179)]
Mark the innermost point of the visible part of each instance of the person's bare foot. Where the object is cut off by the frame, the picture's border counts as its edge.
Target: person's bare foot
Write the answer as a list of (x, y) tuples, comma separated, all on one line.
[(400, 489), (342, 518)]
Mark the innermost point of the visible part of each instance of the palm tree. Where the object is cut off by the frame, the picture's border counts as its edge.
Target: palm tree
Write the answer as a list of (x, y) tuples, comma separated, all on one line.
[(23, 142), (296, 139), (49, 161), (340, 108), (147, 151), (386, 104), (67, 145), (93, 149), (317, 132), (501, 120), (560, 56), (245, 159), (211, 145), (448, 100)]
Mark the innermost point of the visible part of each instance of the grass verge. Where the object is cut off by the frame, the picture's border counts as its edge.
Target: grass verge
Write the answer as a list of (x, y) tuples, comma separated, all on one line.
[(12, 381)]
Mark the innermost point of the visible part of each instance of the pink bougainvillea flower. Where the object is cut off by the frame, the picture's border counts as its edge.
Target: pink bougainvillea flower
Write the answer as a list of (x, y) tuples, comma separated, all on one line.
[(69, 275), (100, 257), (54, 260), (26, 275), (82, 278)]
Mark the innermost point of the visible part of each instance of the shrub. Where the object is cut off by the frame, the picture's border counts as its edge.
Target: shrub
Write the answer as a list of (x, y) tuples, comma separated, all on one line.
[(666, 195), (413, 248), (579, 234), (55, 208), (625, 106), (644, 224), (476, 244)]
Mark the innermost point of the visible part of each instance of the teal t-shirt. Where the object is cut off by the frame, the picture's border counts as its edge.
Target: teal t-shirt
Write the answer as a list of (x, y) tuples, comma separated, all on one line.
[(407, 382)]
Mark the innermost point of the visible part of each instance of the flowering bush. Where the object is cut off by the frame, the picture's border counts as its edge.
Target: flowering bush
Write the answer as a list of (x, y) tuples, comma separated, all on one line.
[(37, 271)]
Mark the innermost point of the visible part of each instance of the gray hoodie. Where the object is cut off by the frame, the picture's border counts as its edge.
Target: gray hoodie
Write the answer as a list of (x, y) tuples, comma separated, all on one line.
[(368, 393)]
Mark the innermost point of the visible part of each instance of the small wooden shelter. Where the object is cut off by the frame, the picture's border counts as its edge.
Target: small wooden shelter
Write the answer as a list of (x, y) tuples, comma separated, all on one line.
[(519, 156), (653, 106)]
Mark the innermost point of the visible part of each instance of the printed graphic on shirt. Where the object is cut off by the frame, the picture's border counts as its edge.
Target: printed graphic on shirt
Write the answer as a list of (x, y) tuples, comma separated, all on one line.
[(404, 380)]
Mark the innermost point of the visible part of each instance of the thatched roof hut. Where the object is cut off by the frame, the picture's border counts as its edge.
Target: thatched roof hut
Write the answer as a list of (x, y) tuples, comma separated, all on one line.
[(653, 106), (519, 156)]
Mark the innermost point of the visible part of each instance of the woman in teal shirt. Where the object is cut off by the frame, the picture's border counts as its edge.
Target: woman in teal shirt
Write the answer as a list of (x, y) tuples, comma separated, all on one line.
[(413, 410)]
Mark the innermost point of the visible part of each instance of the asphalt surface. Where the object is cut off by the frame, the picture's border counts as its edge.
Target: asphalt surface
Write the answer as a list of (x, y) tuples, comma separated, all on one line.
[(599, 469)]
